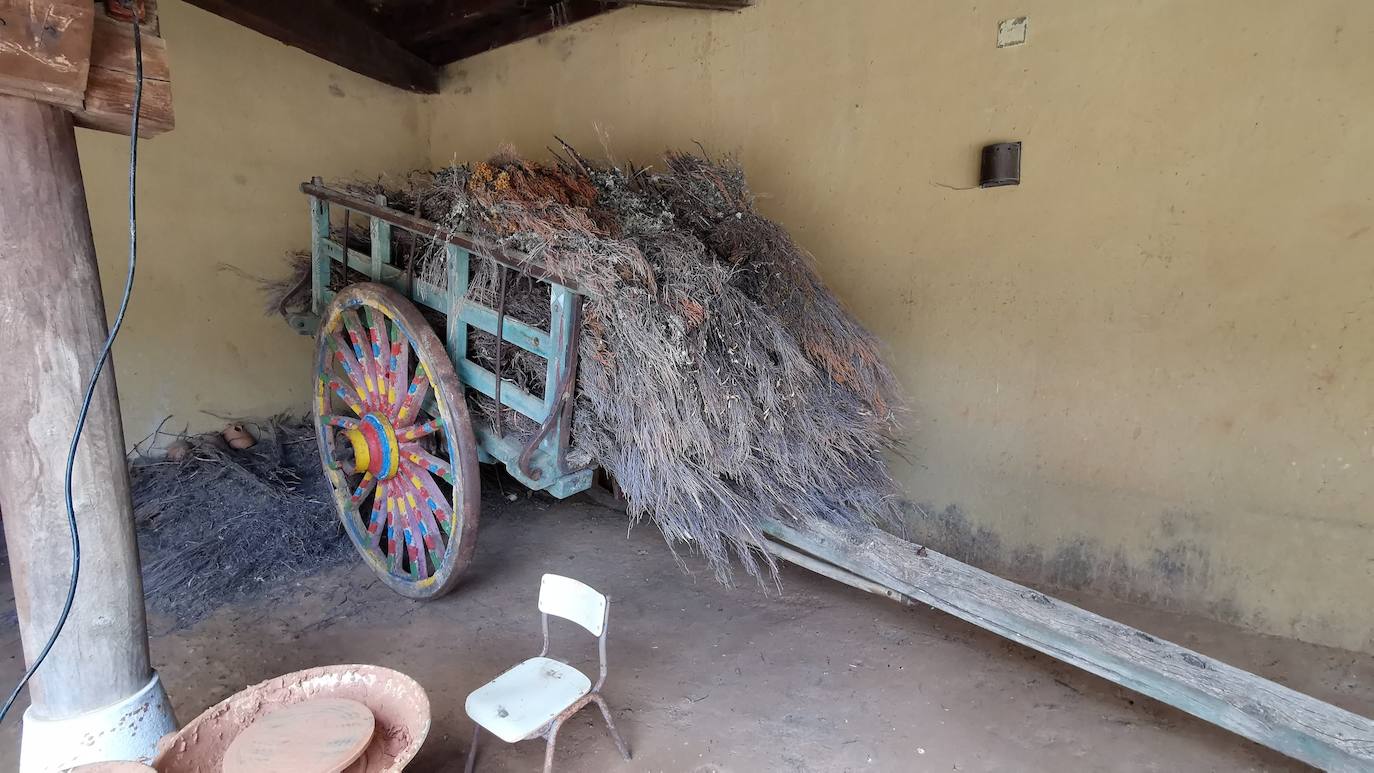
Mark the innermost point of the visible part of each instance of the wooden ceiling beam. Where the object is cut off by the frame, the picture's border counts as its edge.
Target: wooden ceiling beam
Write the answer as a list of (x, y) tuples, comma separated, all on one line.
[(444, 17), (457, 29), (531, 23), (704, 5), (322, 28)]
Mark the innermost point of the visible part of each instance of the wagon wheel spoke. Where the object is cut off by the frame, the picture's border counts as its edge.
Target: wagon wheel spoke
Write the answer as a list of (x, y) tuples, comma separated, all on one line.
[(393, 528), (381, 355), (415, 551), (432, 534), (362, 352), (417, 431), (376, 522), (343, 355), (431, 540), (345, 394), (433, 498), (415, 454), (342, 422), (399, 366), (415, 395), (364, 488)]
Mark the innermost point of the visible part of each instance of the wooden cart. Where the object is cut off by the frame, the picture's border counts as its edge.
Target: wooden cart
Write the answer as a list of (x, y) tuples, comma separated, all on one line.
[(401, 452)]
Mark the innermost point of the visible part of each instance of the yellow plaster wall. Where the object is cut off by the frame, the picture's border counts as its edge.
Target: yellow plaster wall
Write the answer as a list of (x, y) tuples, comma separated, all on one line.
[(1147, 370), (254, 119)]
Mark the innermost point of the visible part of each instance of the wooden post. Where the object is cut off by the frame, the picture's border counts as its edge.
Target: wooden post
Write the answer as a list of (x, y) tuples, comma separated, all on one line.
[(54, 321)]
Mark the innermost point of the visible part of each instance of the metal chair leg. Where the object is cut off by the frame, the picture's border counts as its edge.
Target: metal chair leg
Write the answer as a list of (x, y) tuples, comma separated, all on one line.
[(472, 750), (610, 724), (548, 746)]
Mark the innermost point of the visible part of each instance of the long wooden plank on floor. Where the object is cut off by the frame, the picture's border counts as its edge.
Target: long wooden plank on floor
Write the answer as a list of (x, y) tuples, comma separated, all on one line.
[(1288, 721)]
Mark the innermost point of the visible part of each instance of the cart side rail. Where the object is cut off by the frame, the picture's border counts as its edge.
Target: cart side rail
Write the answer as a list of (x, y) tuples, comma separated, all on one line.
[(519, 261)]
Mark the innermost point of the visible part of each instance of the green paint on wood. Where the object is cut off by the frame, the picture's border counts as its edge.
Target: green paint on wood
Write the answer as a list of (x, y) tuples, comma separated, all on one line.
[(319, 257), (381, 244), (456, 338), (507, 450), (527, 337), (512, 396)]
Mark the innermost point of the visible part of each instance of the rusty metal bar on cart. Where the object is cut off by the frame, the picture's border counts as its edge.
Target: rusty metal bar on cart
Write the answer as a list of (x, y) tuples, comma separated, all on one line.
[(481, 248)]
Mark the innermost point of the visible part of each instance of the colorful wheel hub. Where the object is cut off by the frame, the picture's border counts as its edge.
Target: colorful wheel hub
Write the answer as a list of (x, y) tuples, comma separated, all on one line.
[(375, 449)]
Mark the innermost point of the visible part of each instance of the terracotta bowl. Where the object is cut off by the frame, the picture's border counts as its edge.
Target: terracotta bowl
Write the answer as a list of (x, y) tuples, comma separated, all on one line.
[(398, 703)]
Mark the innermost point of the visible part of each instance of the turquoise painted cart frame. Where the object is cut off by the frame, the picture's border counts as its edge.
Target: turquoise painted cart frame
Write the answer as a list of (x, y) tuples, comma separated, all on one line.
[(540, 464)]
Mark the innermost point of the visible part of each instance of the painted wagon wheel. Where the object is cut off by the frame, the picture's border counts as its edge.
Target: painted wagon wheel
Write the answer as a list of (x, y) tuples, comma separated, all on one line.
[(395, 440)]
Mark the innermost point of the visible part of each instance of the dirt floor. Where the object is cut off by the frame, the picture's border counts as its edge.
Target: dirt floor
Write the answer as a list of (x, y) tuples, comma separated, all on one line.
[(816, 677)]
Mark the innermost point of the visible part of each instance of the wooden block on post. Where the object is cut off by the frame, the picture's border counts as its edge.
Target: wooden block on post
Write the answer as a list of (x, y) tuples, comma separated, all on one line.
[(45, 49), (109, 97), (124, 10), (112, 48)]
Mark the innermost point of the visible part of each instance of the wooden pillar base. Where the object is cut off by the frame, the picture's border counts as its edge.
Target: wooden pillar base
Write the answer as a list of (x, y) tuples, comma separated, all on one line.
[(128, 730)]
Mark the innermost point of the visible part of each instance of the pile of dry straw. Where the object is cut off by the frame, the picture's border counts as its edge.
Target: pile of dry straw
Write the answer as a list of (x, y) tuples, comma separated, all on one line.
[(720, 383), (218, 524)]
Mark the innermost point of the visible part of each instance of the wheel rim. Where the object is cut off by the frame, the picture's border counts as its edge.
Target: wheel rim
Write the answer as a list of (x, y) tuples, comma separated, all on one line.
[(395, 440)]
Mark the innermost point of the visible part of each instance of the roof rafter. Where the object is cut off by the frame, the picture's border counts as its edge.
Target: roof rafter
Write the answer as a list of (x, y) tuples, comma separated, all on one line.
[(704, 5), (322, 28)]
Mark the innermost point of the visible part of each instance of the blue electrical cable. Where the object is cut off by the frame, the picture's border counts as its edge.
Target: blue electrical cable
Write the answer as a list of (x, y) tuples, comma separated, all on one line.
[(95, 375)]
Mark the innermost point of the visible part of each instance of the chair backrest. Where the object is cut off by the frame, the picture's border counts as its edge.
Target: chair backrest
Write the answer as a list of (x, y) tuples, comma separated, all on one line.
[(571, 600)]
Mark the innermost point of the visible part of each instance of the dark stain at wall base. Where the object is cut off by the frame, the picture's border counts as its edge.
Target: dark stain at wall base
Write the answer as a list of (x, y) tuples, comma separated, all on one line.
[(1178, 574)]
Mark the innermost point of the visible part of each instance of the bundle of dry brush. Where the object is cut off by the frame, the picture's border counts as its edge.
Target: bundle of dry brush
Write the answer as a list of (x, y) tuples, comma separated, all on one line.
[(720, 383)]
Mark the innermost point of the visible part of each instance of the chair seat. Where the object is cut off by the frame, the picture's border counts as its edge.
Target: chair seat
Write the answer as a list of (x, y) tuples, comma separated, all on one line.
[(527, 697)]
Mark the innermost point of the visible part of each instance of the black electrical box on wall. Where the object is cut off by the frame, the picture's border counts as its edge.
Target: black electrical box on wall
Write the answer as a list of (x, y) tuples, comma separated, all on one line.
[(1001, 165)]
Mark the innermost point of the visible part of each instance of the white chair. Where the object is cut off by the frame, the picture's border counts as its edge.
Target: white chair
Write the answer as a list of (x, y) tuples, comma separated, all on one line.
[(533, 699)]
